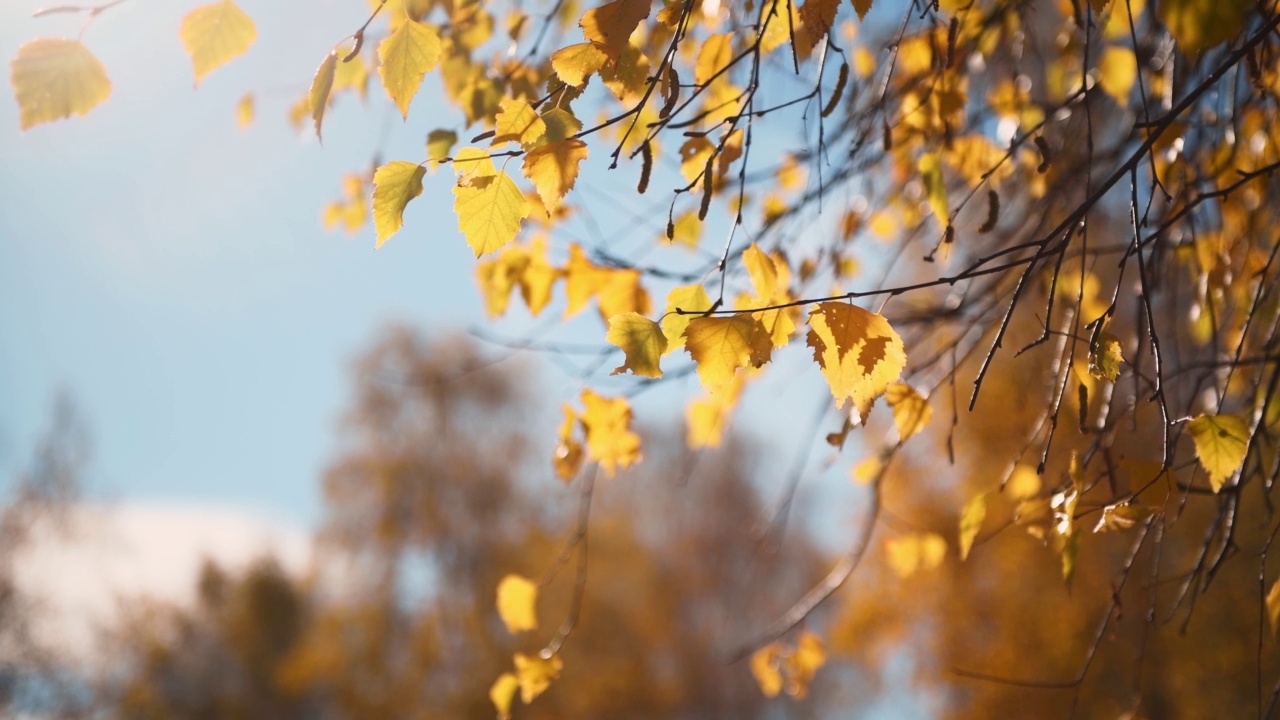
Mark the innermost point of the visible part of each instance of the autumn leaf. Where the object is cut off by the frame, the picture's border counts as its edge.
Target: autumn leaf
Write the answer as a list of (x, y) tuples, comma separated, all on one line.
[(1221, 442), (394, 185), (722, 345), (520, 267), (610, 25), (975, 511), (770, 278), (535, 674), (714, 56), (575, 63), (766, 667), (55, 78), (935, 188), (439, 144), (1121, 516), (911, 410), (244, 111), (802, 664), (568, 453), (1197, 25), (518, 122), (689, 299), (321, 84), (517, 603), (561, 124), (502, 692), (553, 169), (1105, 358), (908, 554), (1117, 71), (487, 201), (610, 440), (216, 34), (859, 353), (642, 341), (708, 415), (1024, 483), (406, 55), (352, 210)]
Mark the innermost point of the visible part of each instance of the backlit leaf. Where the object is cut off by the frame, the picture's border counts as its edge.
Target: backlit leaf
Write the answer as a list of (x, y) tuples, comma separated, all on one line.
[(352, 210), (642, 341), (535, 674), (406, 55), (802, 664), (610, 25), (518, 122), (569, 452), (1121, 516), (934, 187), (610, 440), (394, 185), (440, 144), (517, 603), (1024, 483), (911, 410), (915, 552), (708, 415), (722, 345), (1105, 358), (1117, 71), (55, 78), (1221, 442), (1197, 25), (502, 692), (216, 34), (766, 667), (714, 56), (321, 84), (487, 201), (859, 353), (689, 298), (975, 511), (553, 169), (575, 63)]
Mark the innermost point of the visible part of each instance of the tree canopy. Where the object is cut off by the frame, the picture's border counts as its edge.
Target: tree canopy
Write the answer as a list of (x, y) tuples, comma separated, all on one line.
[(1043, 235)]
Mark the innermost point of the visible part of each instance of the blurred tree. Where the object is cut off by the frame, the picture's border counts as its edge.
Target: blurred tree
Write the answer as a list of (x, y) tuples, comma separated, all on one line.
[(434, 498)]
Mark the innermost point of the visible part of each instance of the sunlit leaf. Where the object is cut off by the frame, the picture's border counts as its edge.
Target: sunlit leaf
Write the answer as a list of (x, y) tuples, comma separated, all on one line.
[(321, 84), (689, 299), (610, 440), (502, 692), (518, 122), (915, 552), (1121, 516), (394, 185), (610, 25), (1023, 483), (859, 353), (911, 410), (935, 188), (1197, 25), (535, 674), (766, 667), (802, 664), (1105, 358), (440, 144), (489, 204), (517, 603), (575, 63), (975, 511), (55, 78), (352, 210), (708, 415), (1117, 71), (1221, 442), (216, 34), (405, 56), (641, 340), (553, 169), (722, 345), (569, 452)]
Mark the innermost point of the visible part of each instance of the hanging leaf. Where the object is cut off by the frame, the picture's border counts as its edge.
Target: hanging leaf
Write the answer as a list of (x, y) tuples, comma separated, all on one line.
[(406, 55), (722, 345), (610, 440), (502, 692), (975, 511), (517, 603), (394, 185), (55, 78), (911, 410), (1221, 443), (908, 554), (690, 299), (610, 25), (518, 122), (215, 34), (553, 169), (1105, 358), (766, 667), (487, 201), (321, 84), (859, 353), (535, 674), (575, 63), (642, 341)]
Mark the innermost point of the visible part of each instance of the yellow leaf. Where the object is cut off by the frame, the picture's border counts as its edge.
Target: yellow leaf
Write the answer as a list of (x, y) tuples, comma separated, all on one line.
[(352, 211), (1121, 516), (216, 34), (583, 280), (406, 55), (487, 201), (1105, 358), (607, 422), (816, 17), (707, 416), (714, 56), (694, 154), (535, 674), (1117, 71), (244, 111), (1197, 25), (517, 603), (55, 78), (642, 341), (575, 63), (975, 511), (934, 187), (621, 293), (908, 554), (502, 692), (553, 169), (686, 230), (628, 76), (802, 664), (439, 144), (766, 667), (394, 185), (568, 454), (1221, 442), (867, 470), (518, 122), (911, 410), (689, 298), (1273, 606), (321, 84), (515, 266), (610, 25), (352, 75), (561, 124), (721, 345), (859, 353), (1023, 484)]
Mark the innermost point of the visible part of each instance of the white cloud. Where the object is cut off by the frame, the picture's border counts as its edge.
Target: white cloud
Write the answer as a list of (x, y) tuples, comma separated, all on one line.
[(78, 574)]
